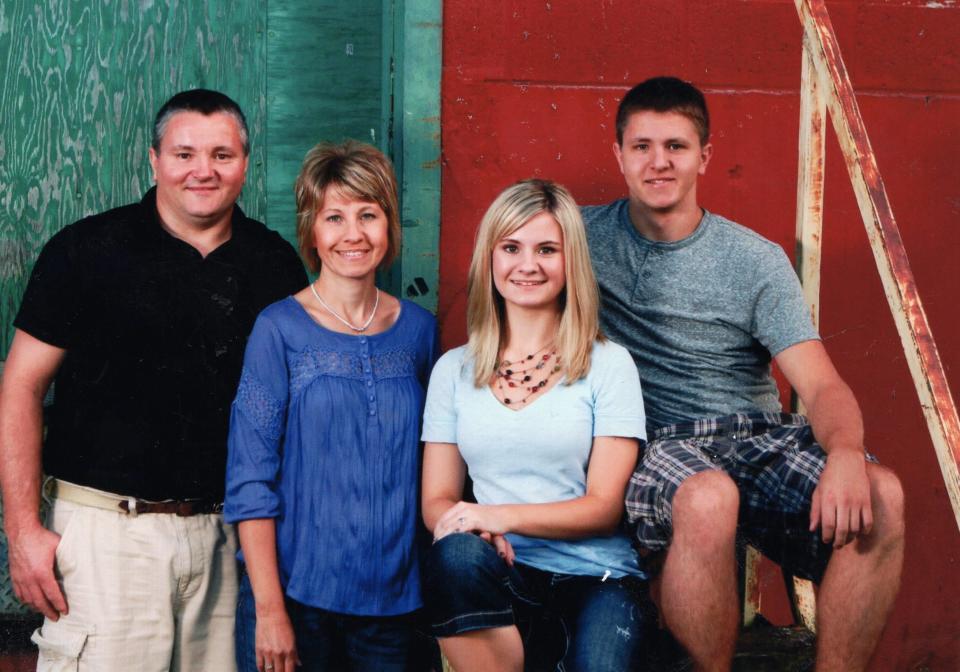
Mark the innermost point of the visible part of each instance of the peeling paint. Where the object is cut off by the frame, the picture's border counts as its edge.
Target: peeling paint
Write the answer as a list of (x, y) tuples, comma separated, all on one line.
[(919, 347)]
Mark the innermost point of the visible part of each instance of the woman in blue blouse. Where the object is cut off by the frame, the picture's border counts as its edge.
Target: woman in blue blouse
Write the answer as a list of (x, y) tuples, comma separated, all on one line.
[(323, 449), (546, 417)]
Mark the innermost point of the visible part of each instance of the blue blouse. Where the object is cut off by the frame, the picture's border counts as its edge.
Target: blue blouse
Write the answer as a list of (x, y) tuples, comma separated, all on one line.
[(324, 437)]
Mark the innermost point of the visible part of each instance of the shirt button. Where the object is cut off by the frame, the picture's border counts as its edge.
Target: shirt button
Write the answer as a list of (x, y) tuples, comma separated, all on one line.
[(371, 398), (369, 383), (372, 412), (363, 339)]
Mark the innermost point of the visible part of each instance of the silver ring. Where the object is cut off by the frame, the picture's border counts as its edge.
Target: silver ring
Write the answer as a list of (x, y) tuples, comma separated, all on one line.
[(268, 667)]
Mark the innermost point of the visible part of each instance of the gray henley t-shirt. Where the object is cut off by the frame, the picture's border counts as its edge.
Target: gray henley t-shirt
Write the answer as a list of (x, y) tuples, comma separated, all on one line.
[(701, 316)]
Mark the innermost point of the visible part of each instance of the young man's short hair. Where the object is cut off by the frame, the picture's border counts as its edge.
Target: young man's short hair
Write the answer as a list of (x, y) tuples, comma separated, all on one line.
[(665, 94), (202, 101)]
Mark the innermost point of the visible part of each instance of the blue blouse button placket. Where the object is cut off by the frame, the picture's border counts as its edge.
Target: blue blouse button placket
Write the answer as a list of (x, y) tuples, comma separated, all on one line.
[(369, 376)]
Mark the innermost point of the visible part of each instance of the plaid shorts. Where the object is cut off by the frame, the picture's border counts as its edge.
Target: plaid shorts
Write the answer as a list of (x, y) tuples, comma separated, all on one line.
[(774, 461)]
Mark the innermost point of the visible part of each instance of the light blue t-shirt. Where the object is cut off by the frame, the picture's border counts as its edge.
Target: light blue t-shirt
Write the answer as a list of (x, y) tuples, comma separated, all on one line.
[(539, 454)]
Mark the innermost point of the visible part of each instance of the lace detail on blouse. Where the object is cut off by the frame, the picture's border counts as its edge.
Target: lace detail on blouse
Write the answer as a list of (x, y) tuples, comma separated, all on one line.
[(312, 363), (260, 407), (397, 363)]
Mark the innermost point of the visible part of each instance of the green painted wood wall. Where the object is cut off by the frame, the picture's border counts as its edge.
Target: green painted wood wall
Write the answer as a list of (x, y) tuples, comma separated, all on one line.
[(323, 83), (80, 82)]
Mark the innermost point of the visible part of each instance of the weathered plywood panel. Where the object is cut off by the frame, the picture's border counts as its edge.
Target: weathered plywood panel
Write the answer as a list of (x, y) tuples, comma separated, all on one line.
[(325, 71), (80, 83), (416, 145)]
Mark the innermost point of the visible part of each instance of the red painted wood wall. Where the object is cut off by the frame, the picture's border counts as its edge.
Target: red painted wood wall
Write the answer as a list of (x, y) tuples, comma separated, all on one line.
[(531, 89)]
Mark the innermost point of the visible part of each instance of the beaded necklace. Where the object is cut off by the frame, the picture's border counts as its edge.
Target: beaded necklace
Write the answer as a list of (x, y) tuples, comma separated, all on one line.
[(523, 378)]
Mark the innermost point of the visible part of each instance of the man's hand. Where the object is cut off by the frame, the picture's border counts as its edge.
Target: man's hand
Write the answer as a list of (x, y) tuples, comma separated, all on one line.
[(32, 556), (30, 366), (841, 502)]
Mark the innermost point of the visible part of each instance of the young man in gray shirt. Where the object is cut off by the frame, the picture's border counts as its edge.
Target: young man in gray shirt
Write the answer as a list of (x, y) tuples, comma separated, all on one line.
[(704, 304)]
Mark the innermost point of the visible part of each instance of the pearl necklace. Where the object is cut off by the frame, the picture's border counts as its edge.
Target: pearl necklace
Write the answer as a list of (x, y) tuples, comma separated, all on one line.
[(359, 330)]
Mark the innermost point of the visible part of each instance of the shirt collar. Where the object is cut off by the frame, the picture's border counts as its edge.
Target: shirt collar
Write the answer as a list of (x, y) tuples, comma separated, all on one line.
[(239, 229)]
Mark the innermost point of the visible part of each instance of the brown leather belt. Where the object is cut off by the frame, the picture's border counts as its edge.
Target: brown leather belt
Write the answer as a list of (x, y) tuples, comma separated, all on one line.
[(80, 494)]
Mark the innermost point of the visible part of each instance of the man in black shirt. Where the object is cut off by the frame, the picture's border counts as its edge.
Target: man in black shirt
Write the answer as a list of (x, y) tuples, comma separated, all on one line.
[(141, 315)]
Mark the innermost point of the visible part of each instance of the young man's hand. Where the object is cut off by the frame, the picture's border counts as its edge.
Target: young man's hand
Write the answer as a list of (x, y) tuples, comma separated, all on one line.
[(841, 503)]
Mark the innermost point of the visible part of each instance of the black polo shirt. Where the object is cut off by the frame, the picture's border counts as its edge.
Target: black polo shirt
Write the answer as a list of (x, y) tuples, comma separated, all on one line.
[(154, 335)]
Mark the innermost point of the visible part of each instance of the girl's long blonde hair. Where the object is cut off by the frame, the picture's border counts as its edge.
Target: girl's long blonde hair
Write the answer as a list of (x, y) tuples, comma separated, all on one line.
[(579, 300)]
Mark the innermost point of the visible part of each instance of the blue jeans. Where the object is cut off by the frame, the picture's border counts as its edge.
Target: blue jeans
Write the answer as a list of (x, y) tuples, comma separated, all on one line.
[(328, 640), (581, 622)]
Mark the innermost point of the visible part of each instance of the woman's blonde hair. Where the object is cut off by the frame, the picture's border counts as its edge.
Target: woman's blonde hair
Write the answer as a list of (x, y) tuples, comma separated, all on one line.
[(359, 171), (579, 300)]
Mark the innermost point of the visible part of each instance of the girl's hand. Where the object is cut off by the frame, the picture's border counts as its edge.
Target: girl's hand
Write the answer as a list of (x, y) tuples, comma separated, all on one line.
[(275, 643), (464, 517), (502, 544)]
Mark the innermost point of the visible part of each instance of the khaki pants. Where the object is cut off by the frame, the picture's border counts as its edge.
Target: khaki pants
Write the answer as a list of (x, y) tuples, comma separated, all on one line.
[(148, 592)]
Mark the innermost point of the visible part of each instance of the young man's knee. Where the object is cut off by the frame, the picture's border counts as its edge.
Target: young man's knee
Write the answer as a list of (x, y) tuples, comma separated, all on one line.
[(709, 499), (887, 497)]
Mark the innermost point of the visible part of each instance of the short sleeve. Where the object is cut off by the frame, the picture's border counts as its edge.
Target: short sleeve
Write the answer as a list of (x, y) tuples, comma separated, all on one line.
[(618, 402), (50, 309), (781, 317), (440, 412), (257, 420)]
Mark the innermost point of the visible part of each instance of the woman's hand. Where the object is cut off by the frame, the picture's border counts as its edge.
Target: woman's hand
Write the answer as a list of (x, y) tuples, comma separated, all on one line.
[(489, 522), (465, 517), (275, 642)]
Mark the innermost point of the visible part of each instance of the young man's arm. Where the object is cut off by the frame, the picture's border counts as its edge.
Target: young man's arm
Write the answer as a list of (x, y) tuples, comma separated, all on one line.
[(841, 502), (27, 373)]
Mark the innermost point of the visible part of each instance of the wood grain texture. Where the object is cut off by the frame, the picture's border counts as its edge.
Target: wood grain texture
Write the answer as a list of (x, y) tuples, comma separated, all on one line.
[(80, 83), (324, 77), (416, 125)]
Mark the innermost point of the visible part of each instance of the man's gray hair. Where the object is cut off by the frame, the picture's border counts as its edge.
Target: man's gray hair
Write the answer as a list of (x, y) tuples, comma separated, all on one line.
[(204, 101)]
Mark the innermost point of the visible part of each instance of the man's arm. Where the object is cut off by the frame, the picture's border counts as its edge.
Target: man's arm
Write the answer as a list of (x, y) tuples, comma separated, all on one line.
[(30, 366), (841, 502)]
